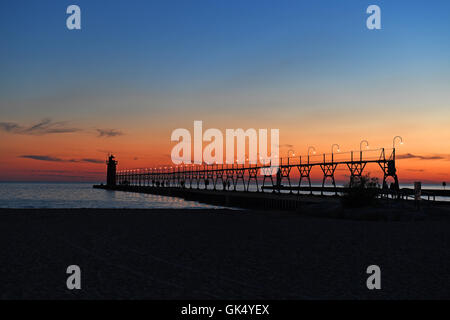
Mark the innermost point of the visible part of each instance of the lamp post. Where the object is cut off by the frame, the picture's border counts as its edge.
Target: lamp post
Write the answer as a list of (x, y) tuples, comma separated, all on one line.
[(360, 148), (361, 143), (395, 139), (332, 148), (335, 145), (288, 153), (309, 150), (393, 144)]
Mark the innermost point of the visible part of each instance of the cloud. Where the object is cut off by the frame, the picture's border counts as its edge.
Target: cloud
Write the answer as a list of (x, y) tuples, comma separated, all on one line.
[(414, 156), (416, 170), (63, 172), (49, 171), (286, 145), (109, 133), (92, 160), (45, 126), (9, 126), (42, 158), (48, 126), (55, 159)]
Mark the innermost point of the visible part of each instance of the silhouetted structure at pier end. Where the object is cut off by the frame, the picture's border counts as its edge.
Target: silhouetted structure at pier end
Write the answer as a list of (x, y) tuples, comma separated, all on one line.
[(111, 171)]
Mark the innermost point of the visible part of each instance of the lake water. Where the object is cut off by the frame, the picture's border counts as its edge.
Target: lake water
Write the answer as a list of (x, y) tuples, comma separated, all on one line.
[(82, 195)]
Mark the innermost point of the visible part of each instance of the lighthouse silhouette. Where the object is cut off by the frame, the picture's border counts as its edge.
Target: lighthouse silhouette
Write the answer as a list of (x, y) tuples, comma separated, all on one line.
[(111, 171)]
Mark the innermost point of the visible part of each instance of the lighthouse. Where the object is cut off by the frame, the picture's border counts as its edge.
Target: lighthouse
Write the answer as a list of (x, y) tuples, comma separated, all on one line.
[(111, 171)]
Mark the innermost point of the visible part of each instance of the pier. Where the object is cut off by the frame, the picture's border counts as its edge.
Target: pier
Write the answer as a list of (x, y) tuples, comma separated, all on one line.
[(238, 199), (230, 185), (231, 177)]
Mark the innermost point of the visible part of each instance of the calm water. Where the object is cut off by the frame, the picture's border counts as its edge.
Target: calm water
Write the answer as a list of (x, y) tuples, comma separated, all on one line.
[(82, 195)]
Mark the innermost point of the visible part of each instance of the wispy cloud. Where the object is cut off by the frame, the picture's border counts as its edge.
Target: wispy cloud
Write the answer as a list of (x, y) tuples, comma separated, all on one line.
[(109, 133), (56, 159), (41, 158), (63, 172), (419, 157), (48, 126), (92, 160), (45, 126)]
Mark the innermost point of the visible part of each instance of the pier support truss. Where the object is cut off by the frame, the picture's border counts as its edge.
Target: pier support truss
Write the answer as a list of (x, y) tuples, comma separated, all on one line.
[(218, 175), (305, 173), (389, 170), (240, 172), (267, 173), (230, 179), (356, 170), (252, 175), (284, 173), (328, 170)]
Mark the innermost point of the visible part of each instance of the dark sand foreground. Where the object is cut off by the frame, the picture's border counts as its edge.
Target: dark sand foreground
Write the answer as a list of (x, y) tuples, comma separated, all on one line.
[(208, 254)]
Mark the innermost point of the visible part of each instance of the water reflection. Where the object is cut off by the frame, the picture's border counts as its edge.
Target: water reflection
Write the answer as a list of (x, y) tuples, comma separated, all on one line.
[(82, 195)]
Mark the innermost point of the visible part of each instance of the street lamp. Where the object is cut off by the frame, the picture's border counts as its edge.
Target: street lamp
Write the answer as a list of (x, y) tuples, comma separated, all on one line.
[(335, 145), (395, 138), (311, 148), (361, 143), (289, 151)]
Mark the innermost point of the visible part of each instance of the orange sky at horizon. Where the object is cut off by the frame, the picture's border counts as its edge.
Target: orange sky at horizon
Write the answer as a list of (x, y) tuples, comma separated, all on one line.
[(81, 155)]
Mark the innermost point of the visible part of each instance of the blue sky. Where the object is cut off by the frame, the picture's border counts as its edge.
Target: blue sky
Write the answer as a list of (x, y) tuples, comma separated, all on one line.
[(143, 68), (219, 45)]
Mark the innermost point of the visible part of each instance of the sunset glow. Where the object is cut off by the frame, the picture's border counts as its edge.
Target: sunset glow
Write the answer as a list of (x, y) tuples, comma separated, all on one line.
[(125, 81)]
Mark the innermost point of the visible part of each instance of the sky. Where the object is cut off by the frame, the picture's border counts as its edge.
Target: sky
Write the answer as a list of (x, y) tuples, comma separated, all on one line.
[(137, 70)]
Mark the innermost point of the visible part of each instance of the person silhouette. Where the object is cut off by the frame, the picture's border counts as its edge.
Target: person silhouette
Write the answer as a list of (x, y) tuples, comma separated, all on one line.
[(278, 179)]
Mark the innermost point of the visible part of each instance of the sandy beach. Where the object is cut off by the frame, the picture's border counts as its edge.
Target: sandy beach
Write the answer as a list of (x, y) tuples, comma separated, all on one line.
[(219, 254)]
